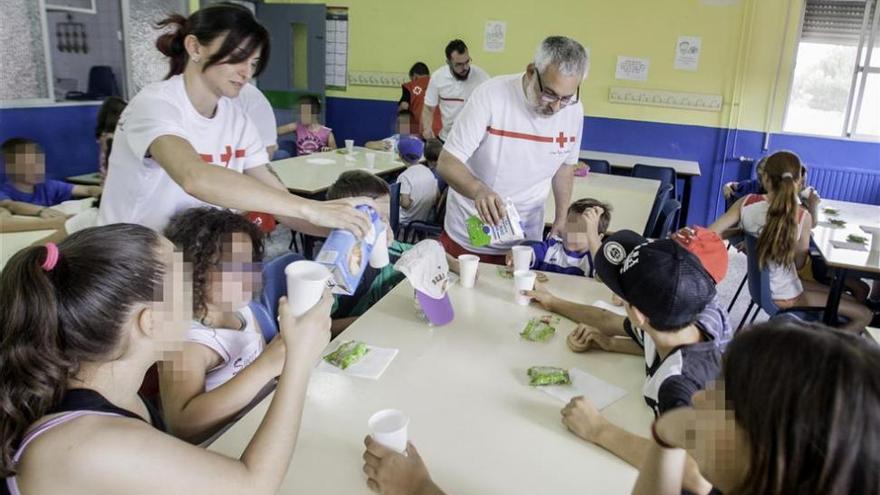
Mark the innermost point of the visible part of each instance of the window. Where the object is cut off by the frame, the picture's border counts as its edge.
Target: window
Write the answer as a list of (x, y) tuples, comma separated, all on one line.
[(836, 85)]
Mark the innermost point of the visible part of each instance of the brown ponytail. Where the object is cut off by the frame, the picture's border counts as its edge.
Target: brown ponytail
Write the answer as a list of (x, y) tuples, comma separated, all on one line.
[(54, 320), (777, 241), (238, 25)]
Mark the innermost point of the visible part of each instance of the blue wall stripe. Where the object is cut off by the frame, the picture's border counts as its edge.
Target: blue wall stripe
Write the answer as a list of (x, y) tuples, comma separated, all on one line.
[(68, 138)]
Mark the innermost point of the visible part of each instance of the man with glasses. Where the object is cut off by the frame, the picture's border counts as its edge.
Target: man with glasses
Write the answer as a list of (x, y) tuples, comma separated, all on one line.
[(518, 136), (449, 88)]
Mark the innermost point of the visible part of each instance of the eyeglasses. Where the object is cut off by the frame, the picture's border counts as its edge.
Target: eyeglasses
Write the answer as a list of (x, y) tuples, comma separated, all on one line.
[(550, 98)]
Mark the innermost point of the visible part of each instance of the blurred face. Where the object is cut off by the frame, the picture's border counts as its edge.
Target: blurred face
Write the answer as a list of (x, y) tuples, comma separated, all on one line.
[(172, 311), (404, 124), (460, 63), (574, 238), (233, 281), (307, 113), (224, 78), (720, 446), (26, 164), (550, 91)]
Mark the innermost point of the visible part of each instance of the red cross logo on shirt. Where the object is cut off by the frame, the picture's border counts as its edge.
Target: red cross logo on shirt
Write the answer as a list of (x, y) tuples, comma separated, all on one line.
[(225, 157), (562, 139)]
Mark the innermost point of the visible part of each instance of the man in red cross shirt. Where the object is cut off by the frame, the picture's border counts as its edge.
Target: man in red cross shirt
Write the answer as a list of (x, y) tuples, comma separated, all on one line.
[(517, 138)]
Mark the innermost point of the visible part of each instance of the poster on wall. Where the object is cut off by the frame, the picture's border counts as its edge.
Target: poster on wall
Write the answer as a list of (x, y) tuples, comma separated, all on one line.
[(632, 68), (336, 46), (687, 53), (493, 40)]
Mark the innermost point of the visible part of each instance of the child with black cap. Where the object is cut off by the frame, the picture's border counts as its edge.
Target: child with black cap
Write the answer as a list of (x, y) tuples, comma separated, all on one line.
[(665, 289)]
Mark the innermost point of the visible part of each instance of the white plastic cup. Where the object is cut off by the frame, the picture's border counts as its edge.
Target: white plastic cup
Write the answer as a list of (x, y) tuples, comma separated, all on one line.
[(523, 280), (523, 257), (371, 160), (379, 255), (349, 146), (468, 264), (388, 427), (306, 281)]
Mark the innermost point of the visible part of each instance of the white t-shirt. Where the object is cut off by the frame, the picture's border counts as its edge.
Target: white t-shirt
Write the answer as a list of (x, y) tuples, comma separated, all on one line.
[(259, 110), (513, 150), (237, 348), (420, 184), (451, 93), (784, 280), (137, 189)]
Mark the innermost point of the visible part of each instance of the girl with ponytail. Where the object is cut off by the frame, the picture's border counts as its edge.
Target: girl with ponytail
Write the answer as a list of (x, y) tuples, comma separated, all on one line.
[(186, 141), (783, 228), (82, 321)]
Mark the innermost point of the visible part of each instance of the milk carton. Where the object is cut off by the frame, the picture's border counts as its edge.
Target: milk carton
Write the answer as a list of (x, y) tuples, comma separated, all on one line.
[(346, 257), (509, 230)]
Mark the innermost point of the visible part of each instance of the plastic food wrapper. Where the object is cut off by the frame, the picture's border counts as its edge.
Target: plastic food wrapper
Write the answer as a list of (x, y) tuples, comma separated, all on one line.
[(347, 354), (548, 375), (509, 230), (540, 328), (346, 257)]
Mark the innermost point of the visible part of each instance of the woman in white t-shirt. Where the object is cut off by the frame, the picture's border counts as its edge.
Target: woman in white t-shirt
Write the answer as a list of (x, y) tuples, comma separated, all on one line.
[(184, 142), (225, 361)]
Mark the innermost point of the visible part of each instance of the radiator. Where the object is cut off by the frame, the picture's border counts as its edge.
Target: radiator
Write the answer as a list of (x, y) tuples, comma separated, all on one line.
[(855, 185)]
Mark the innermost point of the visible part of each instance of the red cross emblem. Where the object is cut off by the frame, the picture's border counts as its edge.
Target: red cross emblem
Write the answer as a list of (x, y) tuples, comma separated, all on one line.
[(562, 139)]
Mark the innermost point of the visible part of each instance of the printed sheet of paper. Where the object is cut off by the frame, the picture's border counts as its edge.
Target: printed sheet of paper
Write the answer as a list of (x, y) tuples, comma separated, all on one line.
[(493, 40), (632, 68), (687, 53)]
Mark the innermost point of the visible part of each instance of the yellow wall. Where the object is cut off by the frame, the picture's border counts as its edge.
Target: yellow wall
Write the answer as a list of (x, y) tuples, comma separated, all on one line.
[(741, 45)]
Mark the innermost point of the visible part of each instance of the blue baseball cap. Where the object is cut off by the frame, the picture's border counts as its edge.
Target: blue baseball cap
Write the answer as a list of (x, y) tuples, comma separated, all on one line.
[(410, 148)]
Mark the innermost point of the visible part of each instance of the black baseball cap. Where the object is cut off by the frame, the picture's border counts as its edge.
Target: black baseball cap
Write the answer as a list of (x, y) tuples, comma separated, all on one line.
[(661, 279)]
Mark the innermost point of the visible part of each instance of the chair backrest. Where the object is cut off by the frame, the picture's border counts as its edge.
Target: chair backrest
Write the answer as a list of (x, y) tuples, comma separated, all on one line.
[(265, 308), (102, 81), (659, 199), (667, 219), (394, 214), (598, 166), (666, 175), (759, 280)]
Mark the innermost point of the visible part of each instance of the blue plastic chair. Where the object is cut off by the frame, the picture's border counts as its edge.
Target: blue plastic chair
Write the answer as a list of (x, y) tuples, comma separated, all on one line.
[(265, 308), (394, 214), (666, 175), (659, 200), (598, 166), (759, 290), (667, 219)]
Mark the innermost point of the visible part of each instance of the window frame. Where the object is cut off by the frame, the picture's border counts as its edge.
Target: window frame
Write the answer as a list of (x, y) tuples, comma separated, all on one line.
[(853, 108)]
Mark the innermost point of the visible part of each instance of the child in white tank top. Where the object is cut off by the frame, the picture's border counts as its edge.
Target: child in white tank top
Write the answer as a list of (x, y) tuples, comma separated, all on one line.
[(225, 361)]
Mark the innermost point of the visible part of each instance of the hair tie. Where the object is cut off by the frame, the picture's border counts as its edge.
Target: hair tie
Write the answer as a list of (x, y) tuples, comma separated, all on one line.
[(51, 256), (787, 175)]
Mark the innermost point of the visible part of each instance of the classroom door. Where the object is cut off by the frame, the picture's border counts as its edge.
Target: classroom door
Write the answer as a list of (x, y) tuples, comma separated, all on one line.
[(297, 60)]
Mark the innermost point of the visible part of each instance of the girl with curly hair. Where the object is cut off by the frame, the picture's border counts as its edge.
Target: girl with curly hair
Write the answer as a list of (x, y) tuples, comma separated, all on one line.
[(225, 361)]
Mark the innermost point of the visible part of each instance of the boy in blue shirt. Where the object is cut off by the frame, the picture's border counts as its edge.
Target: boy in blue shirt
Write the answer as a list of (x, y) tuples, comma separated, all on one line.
[(573, 251), (26, 177)]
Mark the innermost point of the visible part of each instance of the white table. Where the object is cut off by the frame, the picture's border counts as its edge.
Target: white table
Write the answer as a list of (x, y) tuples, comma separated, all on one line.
[(840, 260), (631, 199), (685, 169), (312, 174), (476, 423), (13, 242)]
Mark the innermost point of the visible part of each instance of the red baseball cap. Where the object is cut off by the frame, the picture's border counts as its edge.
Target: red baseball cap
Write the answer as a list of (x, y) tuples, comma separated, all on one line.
[(707, 246), (264, 221)]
